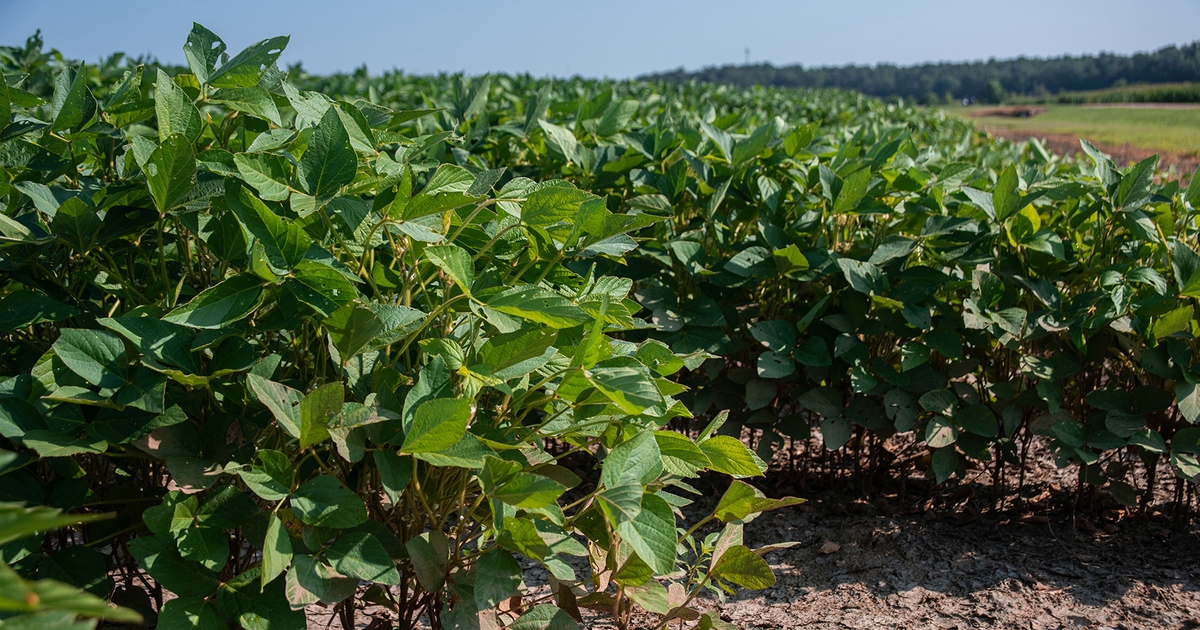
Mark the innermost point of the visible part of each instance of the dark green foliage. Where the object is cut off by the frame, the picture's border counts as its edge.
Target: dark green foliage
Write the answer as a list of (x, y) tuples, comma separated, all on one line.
[(300, 342)]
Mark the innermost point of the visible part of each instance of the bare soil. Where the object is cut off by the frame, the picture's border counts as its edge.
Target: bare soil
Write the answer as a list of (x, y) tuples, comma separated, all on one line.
[(1068, 144), (860, 568), (899, 555)]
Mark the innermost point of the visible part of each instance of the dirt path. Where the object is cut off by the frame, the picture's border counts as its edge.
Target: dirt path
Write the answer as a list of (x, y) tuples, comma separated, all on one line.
[(1122, 155)]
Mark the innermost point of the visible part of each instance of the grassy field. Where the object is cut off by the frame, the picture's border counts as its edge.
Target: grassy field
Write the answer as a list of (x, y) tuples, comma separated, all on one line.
[(1158, 129)]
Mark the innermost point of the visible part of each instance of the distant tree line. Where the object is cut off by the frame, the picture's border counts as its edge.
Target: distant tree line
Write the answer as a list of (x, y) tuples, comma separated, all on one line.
[(988, 81)]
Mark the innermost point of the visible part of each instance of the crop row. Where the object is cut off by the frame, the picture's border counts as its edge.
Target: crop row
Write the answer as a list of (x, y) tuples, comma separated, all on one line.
[(311, 337)]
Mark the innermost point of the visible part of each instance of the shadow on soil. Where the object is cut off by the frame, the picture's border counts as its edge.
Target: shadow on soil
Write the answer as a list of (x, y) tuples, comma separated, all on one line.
[(938, 564)]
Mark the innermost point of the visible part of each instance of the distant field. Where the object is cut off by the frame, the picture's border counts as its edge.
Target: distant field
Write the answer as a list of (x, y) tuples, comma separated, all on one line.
[(1139, 93), (1173, 129)]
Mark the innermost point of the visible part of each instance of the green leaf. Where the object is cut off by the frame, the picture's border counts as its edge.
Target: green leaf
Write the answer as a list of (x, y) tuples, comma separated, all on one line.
[(912, 355), (627, 383), (544, 617), (284, 241), (750, 262), (745, 568), (171, 172), (515, 354), (225, 238), (777, 335), (728, 455), (73, 105), (255, 101), (227, 507), (203, 50), (853, 191), (1186, 265), (538, 305), (1006, 199), (22, 308), (497, 577), (680, 455), (306, 582), (1175, 321), (1134, 189), (267, 173), (529, 491), (360, 555), (553, 205), (281, 400), (652, 534), (892, 248), (316, 410), (446, 190), (940, 432), (206, 545), (790, 259), (658, 357), (160, 558), (863, 276), (776, 365), (245, 602), (1124, 424), (5, 106), (176, 512), (80, 566), (559, 139), (325, 502), (96, 355), (246, 67), (329, 163), (320, 286), (53, 605), (430, 555), (219, 306), (271, 479), (742, 500), (49, 444), (76, 224), (456, 262), (978, 419), (651, 596), (637, 460), (622, 503), (1192, 195), (616, 118), (437, 425), (190, 612), (945, 341), (836, 431), (941, 401), (1187, 396), (351, 328), (394, 473), (176, 113), (944, 463), (466, 453)]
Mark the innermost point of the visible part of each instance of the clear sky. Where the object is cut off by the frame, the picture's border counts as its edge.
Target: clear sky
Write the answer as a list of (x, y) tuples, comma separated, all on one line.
[(614, 38)]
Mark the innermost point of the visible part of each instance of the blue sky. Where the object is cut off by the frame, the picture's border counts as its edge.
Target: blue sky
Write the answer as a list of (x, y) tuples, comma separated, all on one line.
[(615, 38)]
